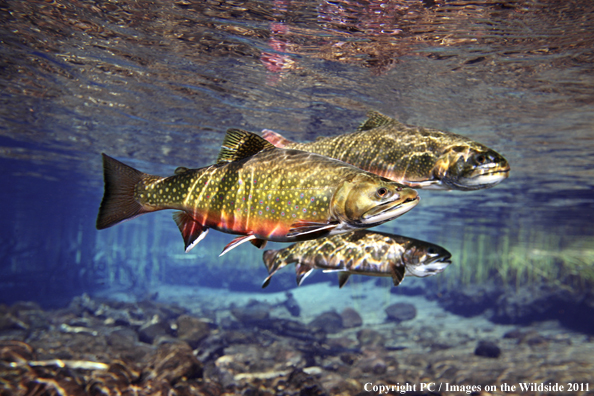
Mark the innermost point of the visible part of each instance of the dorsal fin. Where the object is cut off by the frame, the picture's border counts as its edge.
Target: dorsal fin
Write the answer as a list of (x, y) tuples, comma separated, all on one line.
[(239, 144), (376, 119), (276, 138)]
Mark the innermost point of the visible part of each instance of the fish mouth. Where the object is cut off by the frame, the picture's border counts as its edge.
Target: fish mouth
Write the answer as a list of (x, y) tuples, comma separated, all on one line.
[(389, 211), (485, 176), (429, 268)]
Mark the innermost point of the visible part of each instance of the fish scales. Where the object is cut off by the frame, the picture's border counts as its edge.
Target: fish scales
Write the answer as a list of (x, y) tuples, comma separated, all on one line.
[(361, 252), (258, 192), (249, 196), (415, 156)]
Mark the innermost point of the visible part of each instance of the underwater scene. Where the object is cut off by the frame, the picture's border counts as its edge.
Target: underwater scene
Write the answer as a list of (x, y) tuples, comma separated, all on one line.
[(414, 180)]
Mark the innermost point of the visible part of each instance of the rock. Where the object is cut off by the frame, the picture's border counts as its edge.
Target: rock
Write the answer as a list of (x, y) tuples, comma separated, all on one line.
[(253, 313), (192, 330), (122, 338), (306, 383), (470, 300), (351, 318), (369, 337), (400, 312), (373, 365), (545, 301), (294, 329), (153, 329), (29, 313), (487, 349), (329, 321), (291, 305), (172, 363), (15, 351)]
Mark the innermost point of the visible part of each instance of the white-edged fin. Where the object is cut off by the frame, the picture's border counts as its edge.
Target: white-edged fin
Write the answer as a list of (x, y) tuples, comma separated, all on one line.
[(307, 227), (397, 272), (192, 231), (266, 281), (236, 242), (201, 237), (302, 271)]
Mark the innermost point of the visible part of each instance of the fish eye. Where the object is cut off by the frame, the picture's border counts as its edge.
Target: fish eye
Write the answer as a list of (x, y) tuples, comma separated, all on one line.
[(480, 158), (431, 250), (382, 191)]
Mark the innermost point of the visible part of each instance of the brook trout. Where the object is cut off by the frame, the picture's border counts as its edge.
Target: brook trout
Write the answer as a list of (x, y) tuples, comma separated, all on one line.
[(361, 253), (417, 157), (257, 191)]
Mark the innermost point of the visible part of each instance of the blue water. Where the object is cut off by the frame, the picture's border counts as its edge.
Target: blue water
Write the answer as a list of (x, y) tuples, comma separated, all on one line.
[(157, 84)]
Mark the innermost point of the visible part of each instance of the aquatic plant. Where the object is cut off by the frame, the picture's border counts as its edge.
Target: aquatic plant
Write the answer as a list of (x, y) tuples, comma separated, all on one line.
[(525, 256)]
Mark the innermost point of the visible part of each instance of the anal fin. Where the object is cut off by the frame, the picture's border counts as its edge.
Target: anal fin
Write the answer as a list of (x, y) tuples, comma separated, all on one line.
[(192, 231)]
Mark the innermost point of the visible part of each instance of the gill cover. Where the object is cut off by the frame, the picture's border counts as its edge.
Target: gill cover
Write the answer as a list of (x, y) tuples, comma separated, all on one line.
[(365, 200)]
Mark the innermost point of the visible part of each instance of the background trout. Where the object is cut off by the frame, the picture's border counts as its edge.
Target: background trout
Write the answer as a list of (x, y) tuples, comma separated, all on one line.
[(362, 253), (259, 192), (417, 157)]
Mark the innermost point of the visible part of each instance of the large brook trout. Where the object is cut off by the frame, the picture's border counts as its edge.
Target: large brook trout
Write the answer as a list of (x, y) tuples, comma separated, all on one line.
[(414, 156), (259, 192)]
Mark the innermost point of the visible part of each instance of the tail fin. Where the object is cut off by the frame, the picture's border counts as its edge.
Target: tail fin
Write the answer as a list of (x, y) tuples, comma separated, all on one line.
[(275, 138), (118, 202)]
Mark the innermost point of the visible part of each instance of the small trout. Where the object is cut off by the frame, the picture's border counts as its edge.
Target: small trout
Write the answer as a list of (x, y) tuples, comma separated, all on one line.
[(257, 191), (360, 253), (417, 157)]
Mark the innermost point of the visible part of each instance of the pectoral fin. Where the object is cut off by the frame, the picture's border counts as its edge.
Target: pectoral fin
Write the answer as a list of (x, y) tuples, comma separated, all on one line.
[(241, 239), (192, 231), (397, 273), (302, 271), (343, 277), (308, 227)]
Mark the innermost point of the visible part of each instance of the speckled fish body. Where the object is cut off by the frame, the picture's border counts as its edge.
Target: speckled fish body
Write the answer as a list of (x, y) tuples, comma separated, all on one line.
[(414, 156), (361, 253), (275, 194)]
